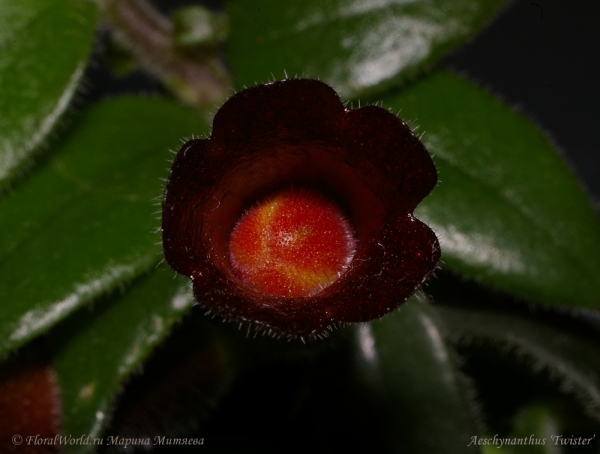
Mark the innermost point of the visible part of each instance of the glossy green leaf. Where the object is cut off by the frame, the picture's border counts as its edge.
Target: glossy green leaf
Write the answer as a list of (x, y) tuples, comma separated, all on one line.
[(86, 222), (573, 360), (389, 386), (508, 211), (355, 46), (405, 365), (44, 46), (102, 347)]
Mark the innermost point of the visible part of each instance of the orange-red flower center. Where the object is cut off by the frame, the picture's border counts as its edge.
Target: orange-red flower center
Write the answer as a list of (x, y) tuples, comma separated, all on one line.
[(293, 244)]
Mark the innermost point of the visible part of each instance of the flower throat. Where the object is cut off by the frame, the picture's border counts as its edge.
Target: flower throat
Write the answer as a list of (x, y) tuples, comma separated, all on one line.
[(294, 243)]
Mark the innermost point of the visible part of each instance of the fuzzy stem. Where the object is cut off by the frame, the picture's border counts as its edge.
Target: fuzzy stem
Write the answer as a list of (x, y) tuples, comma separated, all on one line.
[(199, 80)]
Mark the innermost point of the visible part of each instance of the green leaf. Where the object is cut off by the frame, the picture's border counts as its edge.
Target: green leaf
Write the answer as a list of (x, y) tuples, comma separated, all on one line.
[(508, 211), (44, 45), (406, 365), (390, 386), (357, 47), (571, 359), (85, 222), (101, 348)]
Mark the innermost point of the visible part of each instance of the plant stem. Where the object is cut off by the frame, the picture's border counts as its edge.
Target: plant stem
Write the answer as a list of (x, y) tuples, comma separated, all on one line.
[(198, 79)]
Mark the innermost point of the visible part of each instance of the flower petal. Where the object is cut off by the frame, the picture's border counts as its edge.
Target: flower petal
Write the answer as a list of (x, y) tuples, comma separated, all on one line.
[(297, 133)]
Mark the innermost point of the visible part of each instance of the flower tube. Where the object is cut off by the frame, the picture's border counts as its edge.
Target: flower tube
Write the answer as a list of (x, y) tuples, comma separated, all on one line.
[(296, 213)]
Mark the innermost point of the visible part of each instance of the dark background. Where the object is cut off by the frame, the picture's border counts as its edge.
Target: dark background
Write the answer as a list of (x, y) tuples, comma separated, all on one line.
[(541, 57)]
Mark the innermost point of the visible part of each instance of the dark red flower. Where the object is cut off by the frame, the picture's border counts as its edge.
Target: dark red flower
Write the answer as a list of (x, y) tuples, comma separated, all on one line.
[(296, 213), (29, 407)]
